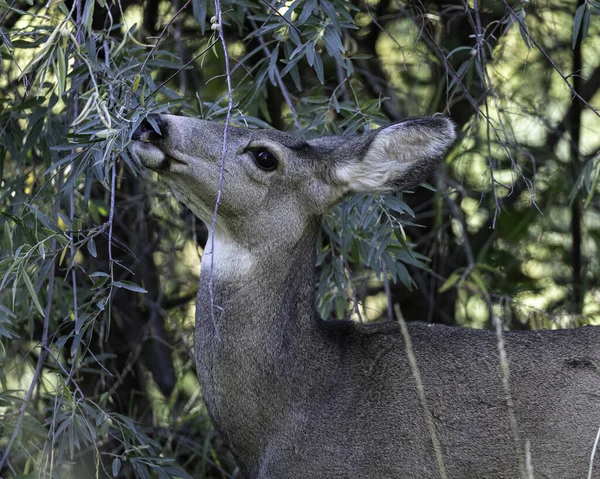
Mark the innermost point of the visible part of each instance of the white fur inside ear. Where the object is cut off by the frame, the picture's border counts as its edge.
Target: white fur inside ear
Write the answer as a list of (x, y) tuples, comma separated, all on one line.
[(394, 151)]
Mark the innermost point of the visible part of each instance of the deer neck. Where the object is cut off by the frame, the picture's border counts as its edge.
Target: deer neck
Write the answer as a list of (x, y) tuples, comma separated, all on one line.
[(259, 333)]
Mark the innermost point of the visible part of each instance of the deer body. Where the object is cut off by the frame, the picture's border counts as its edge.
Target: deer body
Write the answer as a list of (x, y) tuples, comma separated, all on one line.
[(298, 397)]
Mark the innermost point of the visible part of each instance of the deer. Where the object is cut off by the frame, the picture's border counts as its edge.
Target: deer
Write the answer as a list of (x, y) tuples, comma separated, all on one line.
[(297, 396)]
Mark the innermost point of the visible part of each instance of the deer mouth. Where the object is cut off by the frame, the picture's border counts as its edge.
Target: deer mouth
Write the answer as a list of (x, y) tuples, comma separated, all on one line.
[(148, 146), (155, 158)]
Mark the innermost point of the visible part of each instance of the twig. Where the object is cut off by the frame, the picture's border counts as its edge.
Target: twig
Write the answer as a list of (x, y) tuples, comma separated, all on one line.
[(487, 82), (465, 237), (412, 360), (384, 31), (15, 62), (111, 217), (342, 82), (433, 46), (75, 98), (176, 73), (8, 9), (547, 57), (174, 302), (488, 91), (491, 166), (162, 33), (132, 361), (74, 284), (62, 368), (222, 169), (280, 15)]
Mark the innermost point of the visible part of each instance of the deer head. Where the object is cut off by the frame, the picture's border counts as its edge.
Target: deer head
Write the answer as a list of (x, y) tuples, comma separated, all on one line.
[(274, 184)]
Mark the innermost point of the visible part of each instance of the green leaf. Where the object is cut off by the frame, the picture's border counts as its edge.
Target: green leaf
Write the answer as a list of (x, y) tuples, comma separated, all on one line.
[(32, 292), (577, 23), (307, 10), (199, 10), (60, 342), (136, 83), (478, 279), (116, 467), (341, 307), (88, 15), (77, 341), (319, 68), (99, 274), (330, 13), (91, 246), (62, 255), (450, 282), (61, 70), (333, 42), (130, 285), (310, 53), (460, 73), (273, 64), (586, 23)]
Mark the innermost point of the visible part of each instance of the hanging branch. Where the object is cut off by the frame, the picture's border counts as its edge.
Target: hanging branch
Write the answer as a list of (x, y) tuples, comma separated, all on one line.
[(219, 28), (44, 344)]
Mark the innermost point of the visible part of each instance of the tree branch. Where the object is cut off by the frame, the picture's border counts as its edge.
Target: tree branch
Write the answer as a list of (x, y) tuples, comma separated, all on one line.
[(222, 169)]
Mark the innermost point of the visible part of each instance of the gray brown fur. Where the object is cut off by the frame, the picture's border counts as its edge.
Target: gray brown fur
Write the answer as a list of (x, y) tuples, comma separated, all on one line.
[(298, 397)]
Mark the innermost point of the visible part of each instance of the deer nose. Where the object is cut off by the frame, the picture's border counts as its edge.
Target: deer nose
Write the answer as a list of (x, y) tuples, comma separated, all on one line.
[(147, 129)]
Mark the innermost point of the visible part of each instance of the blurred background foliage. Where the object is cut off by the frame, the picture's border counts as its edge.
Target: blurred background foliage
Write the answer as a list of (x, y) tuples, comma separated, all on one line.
[(99, 263)]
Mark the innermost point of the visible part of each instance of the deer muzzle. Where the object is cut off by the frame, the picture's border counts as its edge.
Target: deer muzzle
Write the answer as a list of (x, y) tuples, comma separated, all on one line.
[(151, 146)]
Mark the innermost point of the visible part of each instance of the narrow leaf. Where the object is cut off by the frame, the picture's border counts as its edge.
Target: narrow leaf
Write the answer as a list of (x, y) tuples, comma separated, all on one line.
[(586, 23), (91, 246), (130, 285), (577, 23), (451, 281), (61, 70), (199, 10), (32, 292), (116, 467)]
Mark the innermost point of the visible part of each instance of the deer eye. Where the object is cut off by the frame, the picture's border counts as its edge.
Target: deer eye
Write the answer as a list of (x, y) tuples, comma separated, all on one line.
[(265, 160)]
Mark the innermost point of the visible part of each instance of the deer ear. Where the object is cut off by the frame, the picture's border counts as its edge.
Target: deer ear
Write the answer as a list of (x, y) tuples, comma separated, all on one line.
[(394, 157)]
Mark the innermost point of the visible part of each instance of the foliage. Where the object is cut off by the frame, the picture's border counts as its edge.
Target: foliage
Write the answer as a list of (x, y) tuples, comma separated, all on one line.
[(98, 263)]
